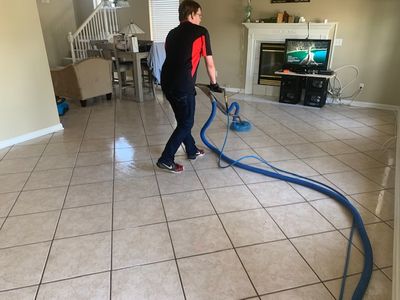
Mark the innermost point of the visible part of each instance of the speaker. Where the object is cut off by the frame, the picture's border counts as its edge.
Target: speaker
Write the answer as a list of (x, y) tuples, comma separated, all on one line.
[(314, 99), (290, 91), (316, 84), (316, 92)]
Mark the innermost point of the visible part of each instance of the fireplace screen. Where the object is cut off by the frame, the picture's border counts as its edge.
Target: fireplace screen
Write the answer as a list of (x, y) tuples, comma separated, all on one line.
[(271, 60)]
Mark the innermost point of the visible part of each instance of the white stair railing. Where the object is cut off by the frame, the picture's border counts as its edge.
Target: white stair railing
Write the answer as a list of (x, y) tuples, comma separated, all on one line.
[(102, 22)]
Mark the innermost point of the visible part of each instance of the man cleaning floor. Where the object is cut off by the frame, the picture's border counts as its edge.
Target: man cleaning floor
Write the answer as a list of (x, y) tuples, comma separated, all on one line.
[(184, 47)]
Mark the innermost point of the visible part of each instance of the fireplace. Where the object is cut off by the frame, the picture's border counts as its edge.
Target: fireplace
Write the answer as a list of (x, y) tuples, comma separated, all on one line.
[(276, 33), (271, 60)]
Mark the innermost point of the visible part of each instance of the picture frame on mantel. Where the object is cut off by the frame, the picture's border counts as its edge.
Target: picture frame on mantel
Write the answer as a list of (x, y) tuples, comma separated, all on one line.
[(288, 1)]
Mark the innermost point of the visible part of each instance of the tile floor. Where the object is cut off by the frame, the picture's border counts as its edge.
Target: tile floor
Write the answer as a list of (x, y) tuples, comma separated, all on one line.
[(85, 215)]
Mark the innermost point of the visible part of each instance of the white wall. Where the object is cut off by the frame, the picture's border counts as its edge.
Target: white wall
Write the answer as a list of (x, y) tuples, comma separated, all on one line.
[(26, 91), (83, 8), (369, 30), (369, 37), (57, 18), (138, 12)]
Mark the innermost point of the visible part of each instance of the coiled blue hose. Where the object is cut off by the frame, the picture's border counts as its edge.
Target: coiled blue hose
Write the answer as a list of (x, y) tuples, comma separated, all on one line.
[(312, 184)]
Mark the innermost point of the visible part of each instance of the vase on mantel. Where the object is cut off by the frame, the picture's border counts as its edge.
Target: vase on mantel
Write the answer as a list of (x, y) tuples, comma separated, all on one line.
[(248, 9)]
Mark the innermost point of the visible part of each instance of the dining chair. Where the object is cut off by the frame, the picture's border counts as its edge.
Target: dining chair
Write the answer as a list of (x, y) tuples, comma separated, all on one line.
[(122, 65), (109, 52), (145, 46), (94, 53)]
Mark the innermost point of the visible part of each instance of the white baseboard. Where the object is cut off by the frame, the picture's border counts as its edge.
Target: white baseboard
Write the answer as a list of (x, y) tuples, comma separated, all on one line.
[(31, 135), (329, 100), (365, 104), (234, 90)]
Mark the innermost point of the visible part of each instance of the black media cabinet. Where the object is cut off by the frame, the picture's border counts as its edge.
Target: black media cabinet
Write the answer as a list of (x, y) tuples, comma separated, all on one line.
[(311, 89)]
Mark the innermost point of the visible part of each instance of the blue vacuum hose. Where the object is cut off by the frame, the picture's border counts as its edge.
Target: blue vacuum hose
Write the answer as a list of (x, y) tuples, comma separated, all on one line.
[(237, 123), (312, 184)]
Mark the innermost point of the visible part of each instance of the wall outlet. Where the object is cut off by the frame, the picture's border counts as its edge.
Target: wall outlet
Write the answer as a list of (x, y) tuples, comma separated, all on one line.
[(362, 85), (338, 42)]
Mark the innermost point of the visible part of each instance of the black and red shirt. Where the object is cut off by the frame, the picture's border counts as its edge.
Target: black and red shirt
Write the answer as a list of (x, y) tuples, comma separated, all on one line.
[(184, 46)]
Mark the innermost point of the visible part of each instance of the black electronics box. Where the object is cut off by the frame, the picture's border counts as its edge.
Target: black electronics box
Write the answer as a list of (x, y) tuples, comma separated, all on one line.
[(290, 91), (316, 92)]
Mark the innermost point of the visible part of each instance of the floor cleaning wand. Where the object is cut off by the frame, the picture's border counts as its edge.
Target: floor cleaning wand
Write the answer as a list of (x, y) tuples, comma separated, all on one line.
[(232, 110)]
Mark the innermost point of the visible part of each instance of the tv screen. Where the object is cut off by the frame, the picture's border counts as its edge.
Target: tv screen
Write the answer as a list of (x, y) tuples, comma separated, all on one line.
[(307, 54)]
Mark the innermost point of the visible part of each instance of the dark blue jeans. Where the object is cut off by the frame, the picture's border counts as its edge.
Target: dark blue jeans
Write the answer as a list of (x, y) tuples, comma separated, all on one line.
[(183, 106)]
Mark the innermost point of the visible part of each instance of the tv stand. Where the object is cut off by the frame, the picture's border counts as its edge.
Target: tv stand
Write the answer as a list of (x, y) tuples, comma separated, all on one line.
[(311, 89)]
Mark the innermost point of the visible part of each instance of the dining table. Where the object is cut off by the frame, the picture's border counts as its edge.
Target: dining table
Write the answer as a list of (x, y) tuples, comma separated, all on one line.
[(135, 58)]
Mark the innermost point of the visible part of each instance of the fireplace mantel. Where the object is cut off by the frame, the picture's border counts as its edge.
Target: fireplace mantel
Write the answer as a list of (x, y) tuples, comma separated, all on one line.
[(278, 32)]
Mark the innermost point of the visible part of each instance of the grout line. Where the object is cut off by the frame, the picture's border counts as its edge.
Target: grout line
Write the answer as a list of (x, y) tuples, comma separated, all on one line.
[(191, 218), (61, 186), (53, 210), (75, 277), (289, 239), (170, 236), (196, 173), (381, 269), (19, 288), (7, 151), (112, 197), (298, 287), (23, 186), (59, 217), (285, 233), (386, 275), (175, 221), (226, 232)]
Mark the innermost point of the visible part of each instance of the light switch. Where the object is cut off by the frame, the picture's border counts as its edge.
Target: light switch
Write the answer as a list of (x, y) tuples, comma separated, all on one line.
[(338, 42)]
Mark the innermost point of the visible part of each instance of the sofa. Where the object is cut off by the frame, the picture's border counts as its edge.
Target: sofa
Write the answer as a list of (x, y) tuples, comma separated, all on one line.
[(83, 80)]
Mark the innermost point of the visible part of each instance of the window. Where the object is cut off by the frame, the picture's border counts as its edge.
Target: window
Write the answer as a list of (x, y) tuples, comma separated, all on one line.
[(163, 17)]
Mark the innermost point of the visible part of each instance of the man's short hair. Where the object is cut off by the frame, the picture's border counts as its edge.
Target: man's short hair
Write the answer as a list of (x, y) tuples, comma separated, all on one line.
[(186, 8)]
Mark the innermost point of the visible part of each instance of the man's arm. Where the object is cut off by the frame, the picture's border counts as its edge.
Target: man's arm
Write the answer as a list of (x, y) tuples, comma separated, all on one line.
[(210, 68), (211, 73)]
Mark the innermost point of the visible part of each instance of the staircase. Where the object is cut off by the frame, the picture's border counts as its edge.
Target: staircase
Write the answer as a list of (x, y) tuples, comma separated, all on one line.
[(98, 26)]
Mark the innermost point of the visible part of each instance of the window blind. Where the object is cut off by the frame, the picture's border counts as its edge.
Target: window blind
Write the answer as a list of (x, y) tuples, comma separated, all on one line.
[(164, 16)]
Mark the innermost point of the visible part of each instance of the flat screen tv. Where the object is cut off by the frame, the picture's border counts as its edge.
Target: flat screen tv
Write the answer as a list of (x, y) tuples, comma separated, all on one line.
[(307, 54)]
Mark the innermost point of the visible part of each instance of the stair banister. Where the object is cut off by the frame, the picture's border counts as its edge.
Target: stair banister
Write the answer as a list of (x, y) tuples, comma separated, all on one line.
[(102, 22)]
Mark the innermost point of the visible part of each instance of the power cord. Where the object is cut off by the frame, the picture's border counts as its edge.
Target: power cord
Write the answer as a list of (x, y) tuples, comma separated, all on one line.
[(337, 91)]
